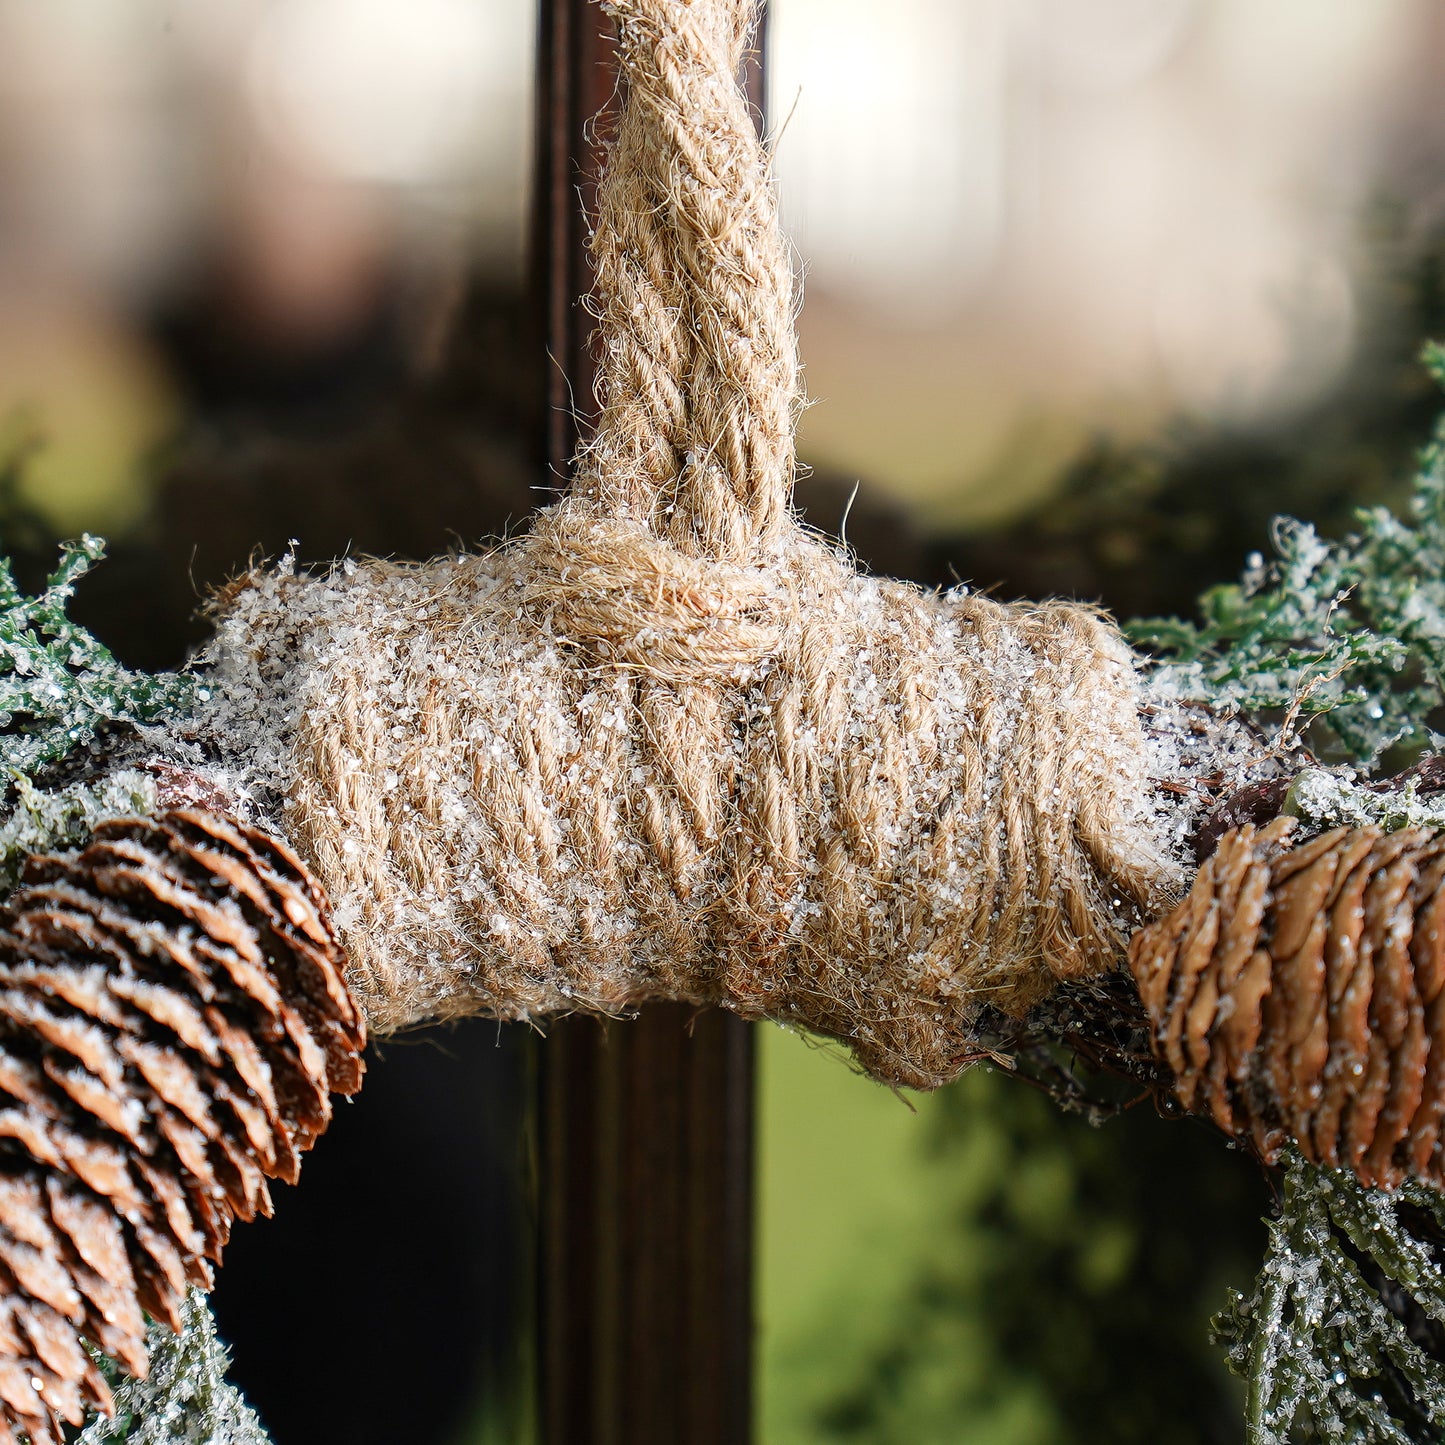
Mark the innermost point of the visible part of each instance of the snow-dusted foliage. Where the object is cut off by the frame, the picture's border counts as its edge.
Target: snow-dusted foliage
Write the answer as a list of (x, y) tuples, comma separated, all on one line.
[(59, 686), (1343, 1336), (1349, 634), (41, 819), (185, 1399), (1327, 799), (1340, 1337)]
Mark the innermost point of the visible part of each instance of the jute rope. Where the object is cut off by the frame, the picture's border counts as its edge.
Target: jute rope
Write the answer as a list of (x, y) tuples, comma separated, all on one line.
[(668, 744), (698, 367)]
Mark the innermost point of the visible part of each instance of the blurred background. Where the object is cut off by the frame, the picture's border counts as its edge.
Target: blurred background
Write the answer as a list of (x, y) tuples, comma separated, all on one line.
[(1092, 288)]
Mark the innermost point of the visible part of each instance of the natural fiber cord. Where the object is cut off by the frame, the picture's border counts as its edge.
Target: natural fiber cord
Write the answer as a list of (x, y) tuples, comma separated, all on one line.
[(670, 745), (698, 367)]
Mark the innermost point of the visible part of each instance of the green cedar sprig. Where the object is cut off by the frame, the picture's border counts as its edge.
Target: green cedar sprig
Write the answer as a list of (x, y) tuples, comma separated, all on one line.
[(185, 1399), (1341, 1338), (59, 685), (1348, 635)]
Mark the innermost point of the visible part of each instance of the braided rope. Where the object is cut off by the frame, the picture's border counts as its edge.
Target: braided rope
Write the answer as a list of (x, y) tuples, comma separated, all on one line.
[(698, 371)]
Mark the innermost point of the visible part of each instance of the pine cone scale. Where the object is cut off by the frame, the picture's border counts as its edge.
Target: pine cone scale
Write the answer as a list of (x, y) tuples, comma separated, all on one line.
[(1200, 1018), (70, 1035), (119, 1111), (174, 1214), (169, 1079), (1389, 926), (61, 1354), (1313, 1005), (83, 989), (289, 906), (1362, 1113), (1240, 1025), (1298, 903), (40, 1276), (1427, 943), (173, 1011), (102, 1167), (1194, 956), (27, 1084), (1425, 1126), (1342, 958), (248, 1064), (241, 1178), (224, 937), (211, 1203), (100, 1266), (1407, 1091), (23, 1213), (1248, 893), (1310, 1056), (18, 1389), (160, 1273)]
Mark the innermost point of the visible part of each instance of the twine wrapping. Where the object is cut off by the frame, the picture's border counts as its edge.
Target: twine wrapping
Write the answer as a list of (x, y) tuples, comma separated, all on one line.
[(668, 744)]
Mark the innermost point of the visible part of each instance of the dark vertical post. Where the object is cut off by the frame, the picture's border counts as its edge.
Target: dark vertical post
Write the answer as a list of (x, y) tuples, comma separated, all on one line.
[(645, 1290), (575, 83)]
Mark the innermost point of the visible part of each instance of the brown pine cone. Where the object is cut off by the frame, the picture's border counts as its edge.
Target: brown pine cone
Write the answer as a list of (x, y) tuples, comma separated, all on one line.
[(172, 1022), (1299, 993)]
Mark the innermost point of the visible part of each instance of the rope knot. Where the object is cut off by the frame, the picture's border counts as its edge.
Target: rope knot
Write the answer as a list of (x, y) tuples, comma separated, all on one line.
[(610, 586)]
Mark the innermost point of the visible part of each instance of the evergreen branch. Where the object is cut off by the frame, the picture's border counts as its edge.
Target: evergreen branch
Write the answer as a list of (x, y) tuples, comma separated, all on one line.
[(1336, 1339), (42, 820), (1347, 635), (185, 1400), (59, 685)]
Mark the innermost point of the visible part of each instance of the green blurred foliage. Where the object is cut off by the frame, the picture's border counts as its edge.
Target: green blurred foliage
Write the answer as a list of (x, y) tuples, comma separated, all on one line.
[(1146, 530), (1350, 634), (1065, 1295)]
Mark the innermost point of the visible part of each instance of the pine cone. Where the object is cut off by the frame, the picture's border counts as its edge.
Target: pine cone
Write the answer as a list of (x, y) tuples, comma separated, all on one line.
[(172, 1022), (1299, 993)]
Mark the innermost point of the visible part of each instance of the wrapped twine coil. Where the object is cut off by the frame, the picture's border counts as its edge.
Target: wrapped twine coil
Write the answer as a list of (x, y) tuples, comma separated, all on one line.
[(668, 745)]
